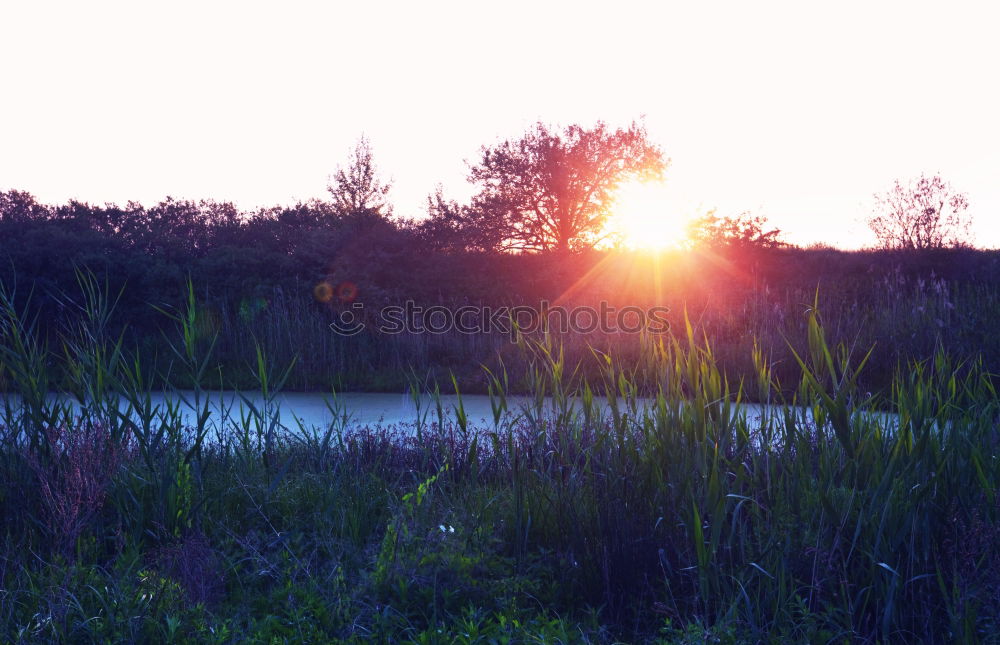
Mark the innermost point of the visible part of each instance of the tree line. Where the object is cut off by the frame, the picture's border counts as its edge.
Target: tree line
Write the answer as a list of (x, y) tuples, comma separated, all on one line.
[(549, 190), (535, 231)]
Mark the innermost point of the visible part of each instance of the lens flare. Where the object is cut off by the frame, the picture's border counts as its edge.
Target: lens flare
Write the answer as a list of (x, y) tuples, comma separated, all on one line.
[(642, 217)]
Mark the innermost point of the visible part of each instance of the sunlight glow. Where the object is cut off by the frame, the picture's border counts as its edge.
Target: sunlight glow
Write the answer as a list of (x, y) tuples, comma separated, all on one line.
[(643, 218)]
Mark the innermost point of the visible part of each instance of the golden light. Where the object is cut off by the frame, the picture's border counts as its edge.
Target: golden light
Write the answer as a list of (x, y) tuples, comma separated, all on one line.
[(643, 218)]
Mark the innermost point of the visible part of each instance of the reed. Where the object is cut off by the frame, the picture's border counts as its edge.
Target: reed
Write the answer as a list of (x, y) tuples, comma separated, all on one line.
[(672, 514)]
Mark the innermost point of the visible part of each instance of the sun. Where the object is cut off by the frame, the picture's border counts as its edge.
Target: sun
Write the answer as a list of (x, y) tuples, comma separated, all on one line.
[(643, 218)]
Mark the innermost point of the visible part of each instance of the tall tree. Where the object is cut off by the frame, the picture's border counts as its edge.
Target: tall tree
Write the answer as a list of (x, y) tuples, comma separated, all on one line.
[(926, 213), (357, 190), (553, 189)]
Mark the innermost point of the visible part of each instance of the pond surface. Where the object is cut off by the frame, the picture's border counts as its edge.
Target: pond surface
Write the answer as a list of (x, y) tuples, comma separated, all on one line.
[(311, 410)]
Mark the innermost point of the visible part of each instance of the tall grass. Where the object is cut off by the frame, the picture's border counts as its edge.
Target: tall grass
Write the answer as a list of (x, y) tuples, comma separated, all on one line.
[(834, 515), (904, 318)]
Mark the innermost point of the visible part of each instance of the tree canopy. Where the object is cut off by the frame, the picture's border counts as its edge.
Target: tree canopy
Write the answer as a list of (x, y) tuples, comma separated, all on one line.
[(356, 189), (552, 189)]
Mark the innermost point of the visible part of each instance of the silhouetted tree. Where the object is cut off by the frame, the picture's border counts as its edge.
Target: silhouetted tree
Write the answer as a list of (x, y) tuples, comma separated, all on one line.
[(926, 213), (21, 206), (176, 228), (553, 190), (449, 226), (357, 190), (742, 231)]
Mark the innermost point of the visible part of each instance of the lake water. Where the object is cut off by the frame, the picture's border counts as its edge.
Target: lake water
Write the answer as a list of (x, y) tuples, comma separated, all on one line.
[(314, 410)]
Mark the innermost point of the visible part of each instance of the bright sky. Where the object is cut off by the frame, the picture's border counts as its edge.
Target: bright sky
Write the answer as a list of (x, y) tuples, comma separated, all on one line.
[(795, 110)]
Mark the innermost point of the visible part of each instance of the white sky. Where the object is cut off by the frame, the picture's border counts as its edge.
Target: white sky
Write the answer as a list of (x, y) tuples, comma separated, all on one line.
[(795, 110)]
